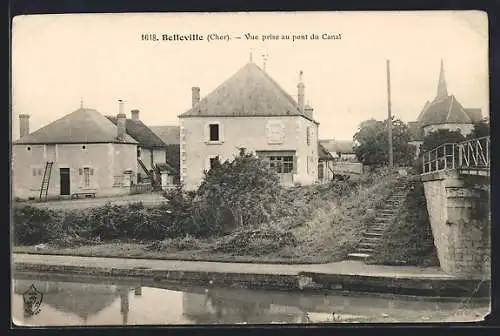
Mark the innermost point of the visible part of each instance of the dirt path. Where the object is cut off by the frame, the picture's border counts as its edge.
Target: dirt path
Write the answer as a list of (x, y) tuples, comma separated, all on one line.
[(146, 199)]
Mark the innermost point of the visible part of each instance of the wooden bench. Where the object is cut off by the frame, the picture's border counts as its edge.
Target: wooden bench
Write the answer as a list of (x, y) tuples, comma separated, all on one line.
[(83, 193)]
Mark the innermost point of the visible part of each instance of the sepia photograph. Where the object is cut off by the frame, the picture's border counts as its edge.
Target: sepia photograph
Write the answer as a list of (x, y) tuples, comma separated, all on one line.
[(250, 168)]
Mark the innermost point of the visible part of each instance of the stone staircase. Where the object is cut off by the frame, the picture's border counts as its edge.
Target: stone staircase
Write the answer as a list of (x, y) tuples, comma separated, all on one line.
[(373, 235)]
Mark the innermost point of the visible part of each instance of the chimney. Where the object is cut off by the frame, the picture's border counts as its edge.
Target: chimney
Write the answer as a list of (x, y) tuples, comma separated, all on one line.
[(195, 95), (300, 93), (24, 125), (121, 120), (308, 110), (135, 115)]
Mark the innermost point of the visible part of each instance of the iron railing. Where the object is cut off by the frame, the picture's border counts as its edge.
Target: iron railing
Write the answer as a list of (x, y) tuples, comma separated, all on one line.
[(470, 154)]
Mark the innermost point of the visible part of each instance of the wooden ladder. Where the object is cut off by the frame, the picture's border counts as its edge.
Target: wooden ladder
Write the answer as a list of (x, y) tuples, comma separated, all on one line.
[(44, 190), (151, 176)]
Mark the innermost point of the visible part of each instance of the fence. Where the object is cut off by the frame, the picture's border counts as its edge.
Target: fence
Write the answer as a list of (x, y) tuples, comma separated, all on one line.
[(141, 188), (470, 154)]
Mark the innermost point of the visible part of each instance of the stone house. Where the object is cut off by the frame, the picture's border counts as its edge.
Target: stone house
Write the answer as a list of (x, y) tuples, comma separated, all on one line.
[(82, 152), (443, 112), (340, 150), (170, 135), (250, 110), (325, 164), (151, 152)]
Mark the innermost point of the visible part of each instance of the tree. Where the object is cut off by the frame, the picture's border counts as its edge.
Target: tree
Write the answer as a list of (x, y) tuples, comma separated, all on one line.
[(481, 129), (440, 137), (372, 143), (236, 193)]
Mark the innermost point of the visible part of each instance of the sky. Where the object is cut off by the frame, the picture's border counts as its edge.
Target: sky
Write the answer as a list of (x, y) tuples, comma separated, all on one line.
[(60, 60)]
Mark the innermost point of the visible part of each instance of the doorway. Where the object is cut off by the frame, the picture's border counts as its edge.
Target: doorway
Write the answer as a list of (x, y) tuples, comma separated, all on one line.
[(65, 185)]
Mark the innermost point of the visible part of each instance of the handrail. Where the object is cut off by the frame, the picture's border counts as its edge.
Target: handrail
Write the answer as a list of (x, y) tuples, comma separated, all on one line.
[(469, 154)]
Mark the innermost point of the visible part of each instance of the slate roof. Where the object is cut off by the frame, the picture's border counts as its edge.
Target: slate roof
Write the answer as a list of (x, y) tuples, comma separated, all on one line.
[(81, 126), (323, 154), (249, 92), (445, 110), (338, 146), (170, 135), (142, 133), (475, 114)]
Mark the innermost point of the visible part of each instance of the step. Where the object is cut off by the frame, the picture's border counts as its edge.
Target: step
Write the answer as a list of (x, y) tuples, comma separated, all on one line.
[(368, 245), (384, 219), (358, 256), (365, 250), (376, 229), (373, 234), (371, 238)]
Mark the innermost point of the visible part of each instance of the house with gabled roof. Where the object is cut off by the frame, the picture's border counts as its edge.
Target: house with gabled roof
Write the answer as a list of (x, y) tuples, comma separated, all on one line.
[(250, 110), (325, 164), (443, 112), (151, 152), (81, 153), (339, 149), (170, 135)]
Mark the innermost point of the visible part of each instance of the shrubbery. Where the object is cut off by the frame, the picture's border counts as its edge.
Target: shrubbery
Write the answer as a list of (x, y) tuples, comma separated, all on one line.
[(241, 199), (234, 194), (105, 223)]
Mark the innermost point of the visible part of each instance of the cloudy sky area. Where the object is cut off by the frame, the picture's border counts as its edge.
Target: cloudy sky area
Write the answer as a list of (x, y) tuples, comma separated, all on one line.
[(57, 59)]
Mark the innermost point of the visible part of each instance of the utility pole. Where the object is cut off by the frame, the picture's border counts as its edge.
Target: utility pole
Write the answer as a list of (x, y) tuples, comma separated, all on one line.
[(389, 124)]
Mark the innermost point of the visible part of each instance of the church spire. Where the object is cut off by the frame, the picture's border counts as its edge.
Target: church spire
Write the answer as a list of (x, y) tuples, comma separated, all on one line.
[(442, 90)]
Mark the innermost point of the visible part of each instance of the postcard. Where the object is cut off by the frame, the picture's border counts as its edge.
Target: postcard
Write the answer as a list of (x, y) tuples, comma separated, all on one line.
[(250, 168)]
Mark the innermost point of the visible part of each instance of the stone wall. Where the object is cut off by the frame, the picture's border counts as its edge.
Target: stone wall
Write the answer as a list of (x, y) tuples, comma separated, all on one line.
[(460, 220)]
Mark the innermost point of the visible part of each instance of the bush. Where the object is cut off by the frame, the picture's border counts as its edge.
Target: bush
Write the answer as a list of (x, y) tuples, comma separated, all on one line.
[(33, 226), (238, 193)]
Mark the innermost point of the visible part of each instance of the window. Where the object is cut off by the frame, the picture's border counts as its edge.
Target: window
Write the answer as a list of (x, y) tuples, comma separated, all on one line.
[(308, 135), (214, 132), (84, 147), (86, 176), (28, 148), (35, 171), (213, 161), (281, 164), (118, 180)]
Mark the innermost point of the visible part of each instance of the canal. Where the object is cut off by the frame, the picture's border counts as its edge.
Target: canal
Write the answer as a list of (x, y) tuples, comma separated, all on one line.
[(74, 301)]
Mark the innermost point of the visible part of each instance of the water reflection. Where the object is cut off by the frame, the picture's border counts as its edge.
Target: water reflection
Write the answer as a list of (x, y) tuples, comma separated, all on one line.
[(88, 302)]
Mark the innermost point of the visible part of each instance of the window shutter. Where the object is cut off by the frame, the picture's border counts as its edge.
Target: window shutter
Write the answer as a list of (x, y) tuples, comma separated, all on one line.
[(34, 171), (91, 171), (221, 132), (80, 171), (295, 163)]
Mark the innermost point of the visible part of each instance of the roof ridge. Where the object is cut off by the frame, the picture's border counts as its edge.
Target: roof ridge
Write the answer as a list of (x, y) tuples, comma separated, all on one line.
[(262, 84)]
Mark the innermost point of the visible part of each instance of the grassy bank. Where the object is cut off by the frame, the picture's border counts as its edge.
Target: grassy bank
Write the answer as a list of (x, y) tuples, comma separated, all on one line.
[(409, 240), (311, 224)]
